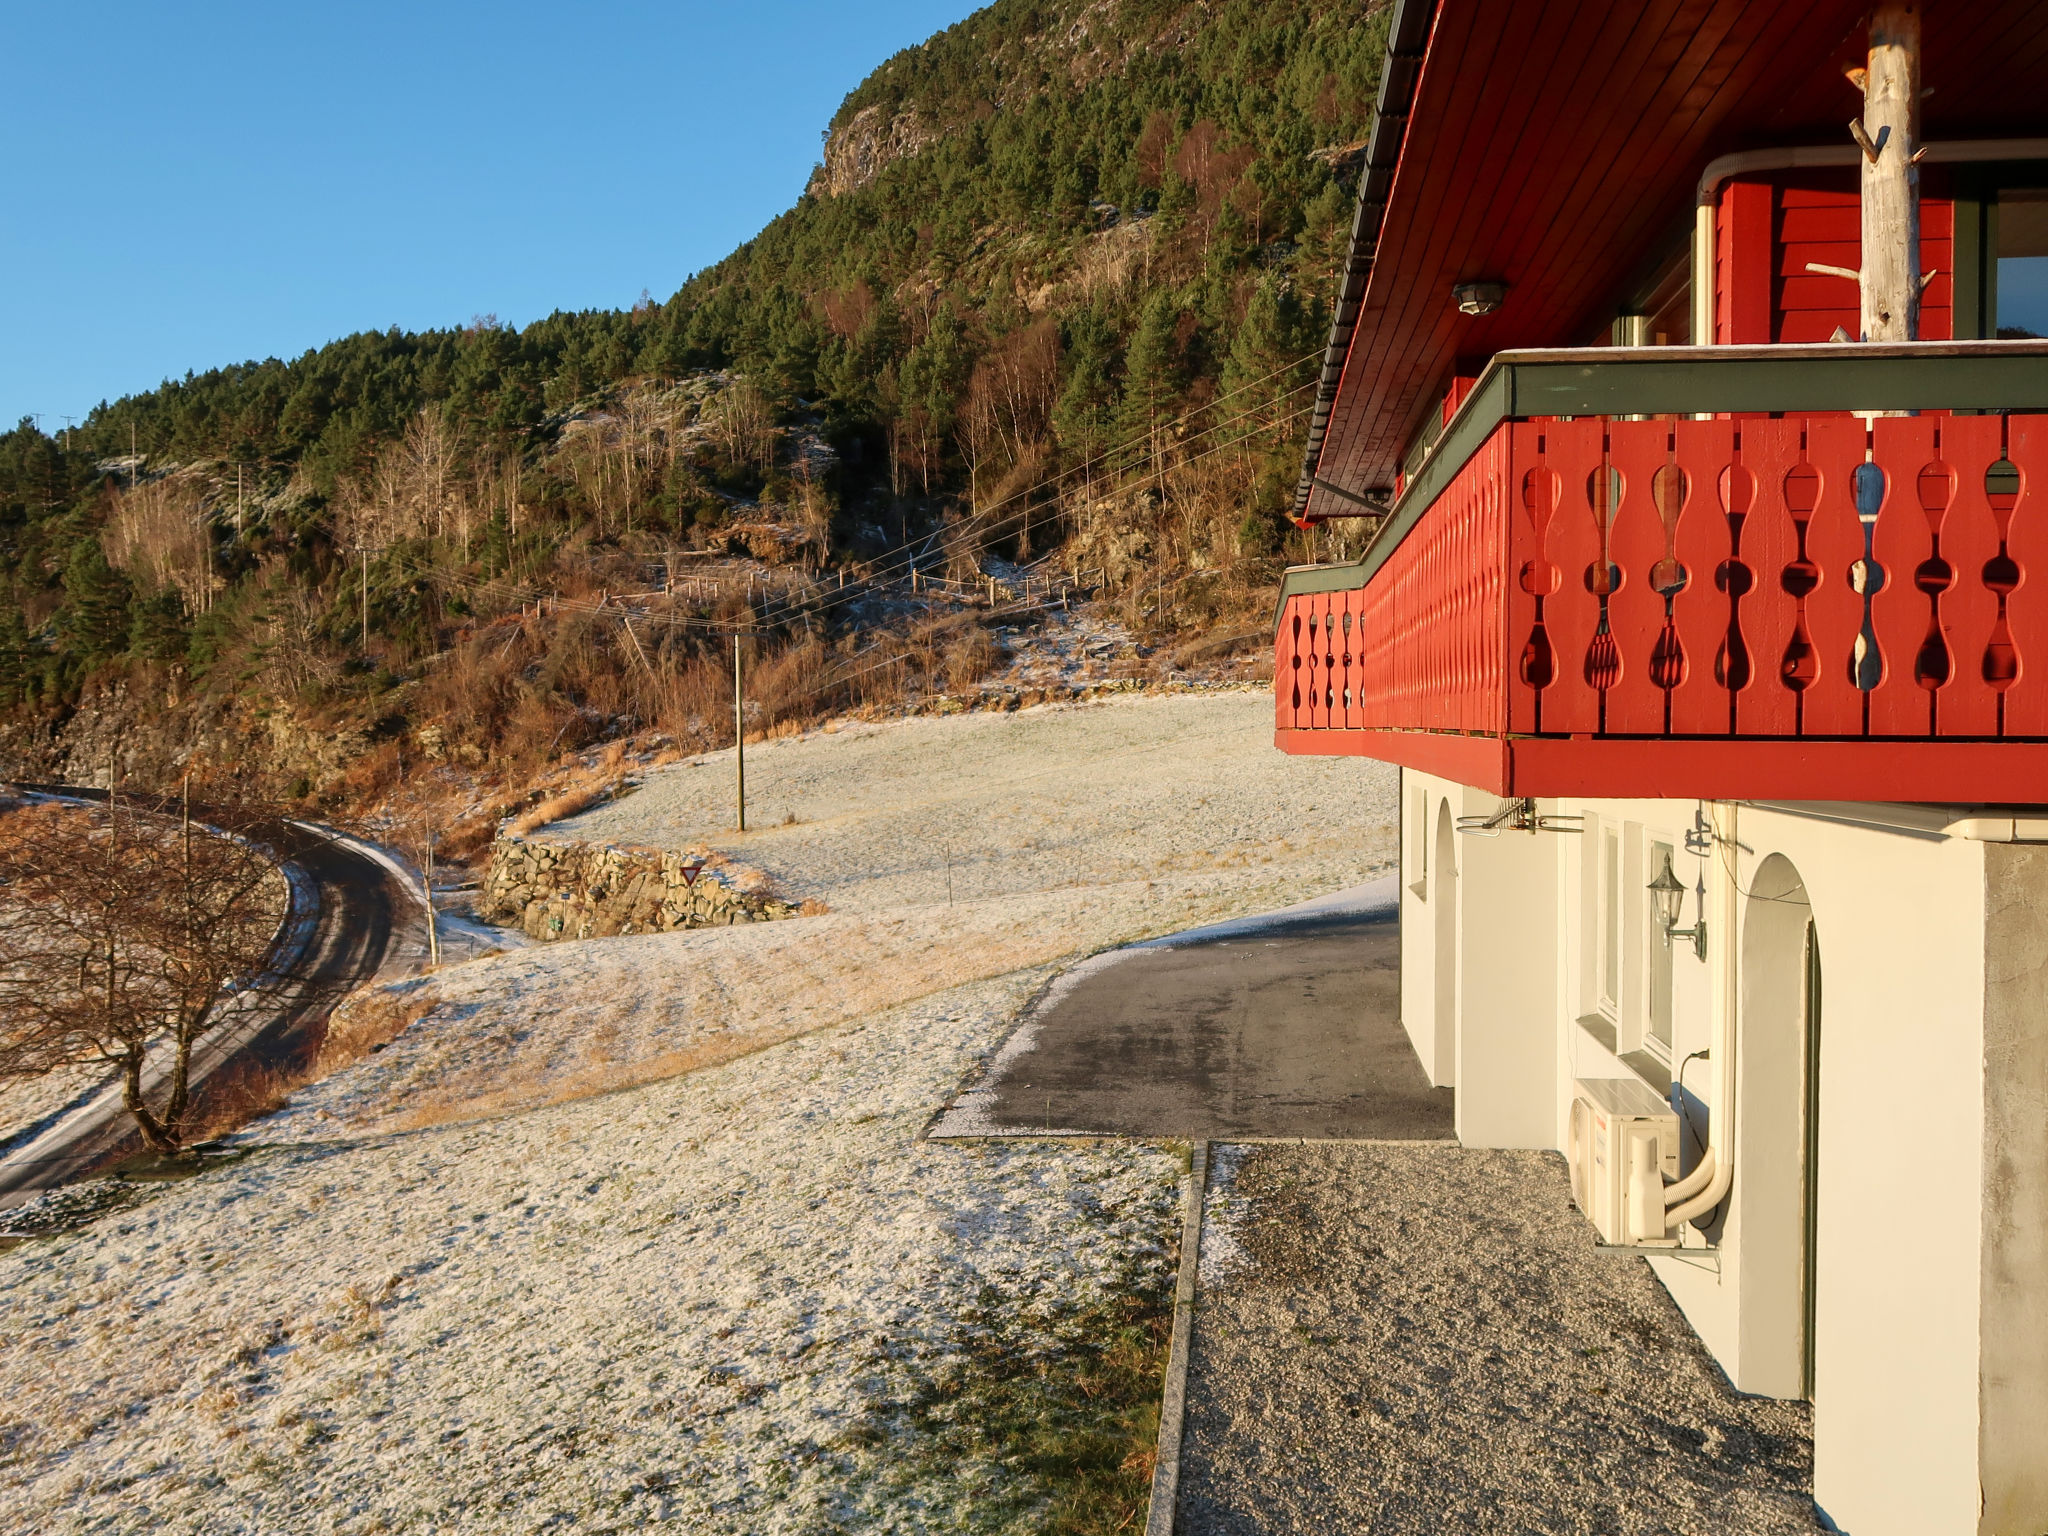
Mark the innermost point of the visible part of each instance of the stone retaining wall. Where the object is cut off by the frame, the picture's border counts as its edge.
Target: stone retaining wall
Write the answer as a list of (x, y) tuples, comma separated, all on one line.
[(583, 891)]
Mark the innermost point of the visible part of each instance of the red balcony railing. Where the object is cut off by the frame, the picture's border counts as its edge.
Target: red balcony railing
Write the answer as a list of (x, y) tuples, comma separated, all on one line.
[(1613, 606)]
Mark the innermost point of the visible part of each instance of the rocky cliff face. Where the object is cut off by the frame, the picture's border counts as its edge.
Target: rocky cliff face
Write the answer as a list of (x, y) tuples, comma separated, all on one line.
[(581, 891), (856, 152), (143, 737)]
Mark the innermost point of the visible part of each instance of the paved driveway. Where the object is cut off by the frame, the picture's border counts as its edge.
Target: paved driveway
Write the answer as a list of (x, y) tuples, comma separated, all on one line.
[(1279, 1026)]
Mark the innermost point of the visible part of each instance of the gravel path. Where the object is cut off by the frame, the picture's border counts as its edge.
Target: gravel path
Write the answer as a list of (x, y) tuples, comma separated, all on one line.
[(1393, 1340)]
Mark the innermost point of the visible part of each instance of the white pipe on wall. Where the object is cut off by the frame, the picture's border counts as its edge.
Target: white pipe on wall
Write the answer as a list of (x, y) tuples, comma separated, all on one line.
[(1707, 1185)]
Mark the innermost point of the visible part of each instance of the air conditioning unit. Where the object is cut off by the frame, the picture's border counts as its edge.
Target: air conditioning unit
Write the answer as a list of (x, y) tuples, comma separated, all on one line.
[(1623, 1142)]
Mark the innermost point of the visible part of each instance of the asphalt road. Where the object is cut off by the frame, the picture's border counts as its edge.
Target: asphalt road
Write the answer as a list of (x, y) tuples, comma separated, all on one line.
[(1286, 1026), (367, 922)]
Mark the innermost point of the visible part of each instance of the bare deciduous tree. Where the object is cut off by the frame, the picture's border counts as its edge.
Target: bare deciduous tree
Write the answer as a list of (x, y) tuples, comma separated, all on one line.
[(122, 933), (741, 419), (157, 532)]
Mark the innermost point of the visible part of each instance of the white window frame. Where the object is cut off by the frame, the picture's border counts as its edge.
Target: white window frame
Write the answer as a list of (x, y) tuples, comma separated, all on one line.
[(1419, 840), (1609, 971), (1658, 957)]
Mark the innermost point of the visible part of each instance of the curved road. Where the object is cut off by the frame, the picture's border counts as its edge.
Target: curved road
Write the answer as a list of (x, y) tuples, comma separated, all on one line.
[(369, 922)]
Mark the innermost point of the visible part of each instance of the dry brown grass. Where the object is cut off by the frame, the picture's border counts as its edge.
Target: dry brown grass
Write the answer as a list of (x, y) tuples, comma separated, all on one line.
[(373, 1017), (247, 1091), (556, 807), (522, 1096)]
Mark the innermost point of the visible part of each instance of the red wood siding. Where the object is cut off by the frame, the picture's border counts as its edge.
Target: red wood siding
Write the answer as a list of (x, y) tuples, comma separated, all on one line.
[(1769, 227)]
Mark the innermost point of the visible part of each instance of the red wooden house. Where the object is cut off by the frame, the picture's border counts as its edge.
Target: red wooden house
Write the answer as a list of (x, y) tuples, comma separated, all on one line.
[(1685, 601)]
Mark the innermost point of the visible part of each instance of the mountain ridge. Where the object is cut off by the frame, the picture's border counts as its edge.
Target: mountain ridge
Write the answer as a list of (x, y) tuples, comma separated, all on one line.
[(1056, 284)]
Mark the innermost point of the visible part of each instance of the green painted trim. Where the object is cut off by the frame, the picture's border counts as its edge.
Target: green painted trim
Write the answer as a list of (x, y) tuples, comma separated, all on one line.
[(1684, 381), (1968, 277), (1824, 382)]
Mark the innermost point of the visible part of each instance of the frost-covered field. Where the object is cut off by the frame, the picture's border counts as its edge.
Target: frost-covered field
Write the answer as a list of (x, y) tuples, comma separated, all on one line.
[(745, 1298)]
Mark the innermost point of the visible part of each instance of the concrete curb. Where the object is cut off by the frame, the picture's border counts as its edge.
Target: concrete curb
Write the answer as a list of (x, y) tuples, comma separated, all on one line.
[(1173, 1401)]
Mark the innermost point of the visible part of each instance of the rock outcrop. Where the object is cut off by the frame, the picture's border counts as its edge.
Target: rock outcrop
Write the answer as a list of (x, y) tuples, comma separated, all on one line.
[(582, 891), (857, 150)]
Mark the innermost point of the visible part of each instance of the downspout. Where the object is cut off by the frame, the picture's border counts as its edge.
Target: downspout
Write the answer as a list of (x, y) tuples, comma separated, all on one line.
[(1745, 161), (1707, 1185)]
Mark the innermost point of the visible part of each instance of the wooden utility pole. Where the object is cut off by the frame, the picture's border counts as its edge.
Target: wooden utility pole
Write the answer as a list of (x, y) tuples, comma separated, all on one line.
[(1889, 135), (185, 836), (739, 728), (433, 922)]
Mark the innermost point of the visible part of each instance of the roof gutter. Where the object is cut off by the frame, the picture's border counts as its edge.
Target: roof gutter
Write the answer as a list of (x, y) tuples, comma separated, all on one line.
[(1407, 43), (1743, 162)]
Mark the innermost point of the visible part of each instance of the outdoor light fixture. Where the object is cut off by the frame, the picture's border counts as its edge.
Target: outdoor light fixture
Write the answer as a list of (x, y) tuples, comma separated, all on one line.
[(1519, 815), (1479, 298), (1670, 902)]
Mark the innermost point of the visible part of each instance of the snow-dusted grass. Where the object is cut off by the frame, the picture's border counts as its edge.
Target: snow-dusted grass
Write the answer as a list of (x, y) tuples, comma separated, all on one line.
[(949, 851), (745, 1298), (709, 1301), (915, 811)]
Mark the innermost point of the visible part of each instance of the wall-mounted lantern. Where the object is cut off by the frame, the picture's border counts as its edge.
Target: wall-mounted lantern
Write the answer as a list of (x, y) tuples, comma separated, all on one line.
[(1481, 298), (1670, 898)]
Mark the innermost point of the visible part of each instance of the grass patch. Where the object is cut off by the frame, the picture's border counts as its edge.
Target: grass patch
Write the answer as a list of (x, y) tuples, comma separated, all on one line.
[(1034, 1425)]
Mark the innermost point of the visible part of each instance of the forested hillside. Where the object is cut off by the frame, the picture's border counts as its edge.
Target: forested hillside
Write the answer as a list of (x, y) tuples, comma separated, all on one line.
[(1057, 287)]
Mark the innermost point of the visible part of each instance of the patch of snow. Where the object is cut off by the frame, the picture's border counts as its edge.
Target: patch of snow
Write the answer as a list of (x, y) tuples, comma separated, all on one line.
[(1224, 1212)]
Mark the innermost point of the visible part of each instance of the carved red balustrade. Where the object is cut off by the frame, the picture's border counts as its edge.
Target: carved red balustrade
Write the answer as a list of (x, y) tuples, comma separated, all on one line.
[(1804, 579)]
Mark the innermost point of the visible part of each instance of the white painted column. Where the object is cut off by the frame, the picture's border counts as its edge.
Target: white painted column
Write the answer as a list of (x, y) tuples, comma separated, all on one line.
[(1507, 987)]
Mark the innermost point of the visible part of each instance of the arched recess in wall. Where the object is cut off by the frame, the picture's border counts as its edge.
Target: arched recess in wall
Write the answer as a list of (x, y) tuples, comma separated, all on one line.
[(1777, 1105), (1443, 899)]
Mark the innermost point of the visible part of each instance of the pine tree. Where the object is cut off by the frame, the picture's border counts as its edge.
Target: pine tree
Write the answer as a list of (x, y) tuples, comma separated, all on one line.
[(157, 630), (1271, 358), (1153, 376), (1084, 414), (94, 621), (17, 671)]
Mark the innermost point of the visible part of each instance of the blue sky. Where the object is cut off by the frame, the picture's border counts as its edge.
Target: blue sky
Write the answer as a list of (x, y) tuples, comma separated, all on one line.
[(196, 184)]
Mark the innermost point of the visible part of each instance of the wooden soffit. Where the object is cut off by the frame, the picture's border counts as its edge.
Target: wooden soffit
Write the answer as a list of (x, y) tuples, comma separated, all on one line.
[(1555, 146)]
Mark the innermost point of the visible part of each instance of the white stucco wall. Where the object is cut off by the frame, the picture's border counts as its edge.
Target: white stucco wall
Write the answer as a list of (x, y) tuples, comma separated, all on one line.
[(1900, 919), (1422, 893)]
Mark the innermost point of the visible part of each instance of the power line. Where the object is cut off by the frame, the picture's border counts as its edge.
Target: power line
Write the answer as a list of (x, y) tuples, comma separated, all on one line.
[(901, 557)]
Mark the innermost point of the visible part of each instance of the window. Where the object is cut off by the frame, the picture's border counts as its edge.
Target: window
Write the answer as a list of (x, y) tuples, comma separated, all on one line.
[(1660, 314), (1657, 1023), (2021, 288), (1418, 841), (1609, 923)]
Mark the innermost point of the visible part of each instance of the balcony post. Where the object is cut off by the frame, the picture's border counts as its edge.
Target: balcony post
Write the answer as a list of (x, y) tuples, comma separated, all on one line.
[(1889, 133)]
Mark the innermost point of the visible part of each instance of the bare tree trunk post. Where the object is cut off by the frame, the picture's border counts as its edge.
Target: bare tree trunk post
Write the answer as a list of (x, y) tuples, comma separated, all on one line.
[(1889, 134), (181, 1081), (739, 729), (131, 1098), (185, 838), (366, 599)]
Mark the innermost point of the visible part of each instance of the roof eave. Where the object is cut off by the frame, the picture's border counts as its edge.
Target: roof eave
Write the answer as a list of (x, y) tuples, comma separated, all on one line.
[(1407, 45)]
